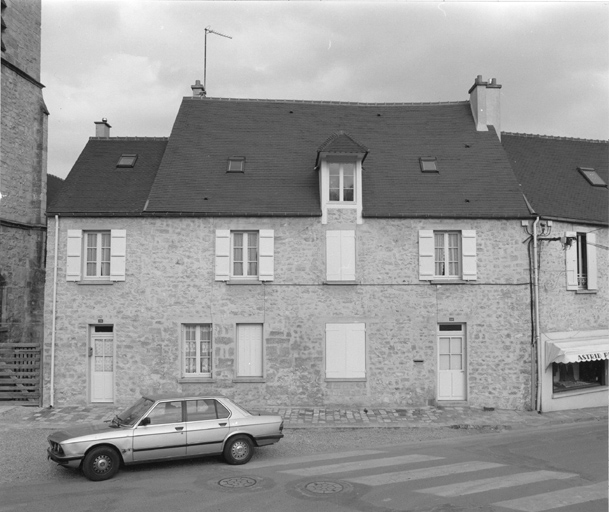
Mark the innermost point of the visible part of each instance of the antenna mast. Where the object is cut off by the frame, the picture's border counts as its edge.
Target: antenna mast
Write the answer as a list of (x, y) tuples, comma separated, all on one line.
[(210, 31)]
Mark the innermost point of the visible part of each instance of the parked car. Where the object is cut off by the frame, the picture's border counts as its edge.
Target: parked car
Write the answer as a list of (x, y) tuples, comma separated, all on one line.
[(165, 428)]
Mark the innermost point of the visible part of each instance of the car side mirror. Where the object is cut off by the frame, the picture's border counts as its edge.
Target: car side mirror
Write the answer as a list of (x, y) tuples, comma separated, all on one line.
[(144, 422)]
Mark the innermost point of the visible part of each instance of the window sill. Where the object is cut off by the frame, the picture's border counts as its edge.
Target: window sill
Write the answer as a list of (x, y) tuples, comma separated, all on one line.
[(244, 282), (580, 391), (586, 292), (448, 281), (92, 282), (258, 380), (196, 380), (346, 380), (341, 282)]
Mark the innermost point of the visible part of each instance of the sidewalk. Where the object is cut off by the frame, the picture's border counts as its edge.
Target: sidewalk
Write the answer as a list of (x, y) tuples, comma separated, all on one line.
[(317, 417)]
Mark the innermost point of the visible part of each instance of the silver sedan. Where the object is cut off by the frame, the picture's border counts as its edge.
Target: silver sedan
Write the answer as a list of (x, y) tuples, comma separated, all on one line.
[(162, 428)]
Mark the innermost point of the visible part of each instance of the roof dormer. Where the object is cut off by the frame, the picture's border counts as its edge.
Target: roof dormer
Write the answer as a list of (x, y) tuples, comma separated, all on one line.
[(339, 160)]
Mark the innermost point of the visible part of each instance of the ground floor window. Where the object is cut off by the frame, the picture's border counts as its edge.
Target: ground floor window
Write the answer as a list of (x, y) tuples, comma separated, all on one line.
[(196, 350), (571, 376)]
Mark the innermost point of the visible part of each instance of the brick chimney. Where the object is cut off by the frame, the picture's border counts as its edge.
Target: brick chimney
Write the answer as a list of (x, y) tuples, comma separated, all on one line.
[(198, 91), (102, 128), (485, 102)]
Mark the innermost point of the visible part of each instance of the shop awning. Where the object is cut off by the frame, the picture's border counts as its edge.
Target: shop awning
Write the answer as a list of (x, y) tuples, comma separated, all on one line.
[(577, 350)]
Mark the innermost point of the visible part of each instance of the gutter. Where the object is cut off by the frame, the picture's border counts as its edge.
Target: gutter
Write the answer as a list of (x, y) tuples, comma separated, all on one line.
[(53, 328)]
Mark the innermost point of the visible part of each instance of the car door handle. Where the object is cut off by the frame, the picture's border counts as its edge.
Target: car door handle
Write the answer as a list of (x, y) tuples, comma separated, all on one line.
[(179, 428), (223, 424)]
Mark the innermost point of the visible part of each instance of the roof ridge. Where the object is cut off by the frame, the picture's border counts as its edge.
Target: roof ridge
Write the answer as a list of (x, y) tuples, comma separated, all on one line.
[(128, 138), (554, 137), (323, 102)]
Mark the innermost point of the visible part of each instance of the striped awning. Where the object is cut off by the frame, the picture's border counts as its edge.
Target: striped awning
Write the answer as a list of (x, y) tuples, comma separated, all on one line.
[(578, 350)]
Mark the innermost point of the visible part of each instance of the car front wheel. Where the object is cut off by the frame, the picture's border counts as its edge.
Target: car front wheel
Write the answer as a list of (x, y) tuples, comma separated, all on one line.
[(101, 463), (238, 450)]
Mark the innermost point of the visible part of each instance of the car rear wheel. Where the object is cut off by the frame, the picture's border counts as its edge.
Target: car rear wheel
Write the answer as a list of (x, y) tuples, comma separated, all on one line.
[(238, 450), (101, 463)]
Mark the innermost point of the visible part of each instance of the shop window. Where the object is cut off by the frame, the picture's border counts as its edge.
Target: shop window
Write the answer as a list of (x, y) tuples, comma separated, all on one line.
[(574, 376)]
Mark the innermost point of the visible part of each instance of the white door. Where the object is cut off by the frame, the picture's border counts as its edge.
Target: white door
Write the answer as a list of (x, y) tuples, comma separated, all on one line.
[(452, 379), (101, 360)]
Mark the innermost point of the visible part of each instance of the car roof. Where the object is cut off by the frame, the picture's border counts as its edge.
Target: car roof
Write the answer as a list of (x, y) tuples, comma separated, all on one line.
[(178, 396)]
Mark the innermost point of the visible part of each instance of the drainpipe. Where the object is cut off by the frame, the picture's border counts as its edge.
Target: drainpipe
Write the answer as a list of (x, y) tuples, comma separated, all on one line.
[(52, 390), (537, 343)]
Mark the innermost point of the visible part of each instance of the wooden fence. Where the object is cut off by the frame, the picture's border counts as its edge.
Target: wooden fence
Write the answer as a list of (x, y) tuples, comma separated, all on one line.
[(20, 372)]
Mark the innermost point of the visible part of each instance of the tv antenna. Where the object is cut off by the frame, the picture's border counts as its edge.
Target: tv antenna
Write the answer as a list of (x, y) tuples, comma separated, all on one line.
[(208, 30)]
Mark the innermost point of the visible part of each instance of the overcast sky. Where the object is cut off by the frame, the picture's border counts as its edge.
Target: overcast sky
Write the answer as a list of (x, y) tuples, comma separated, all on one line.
[(133, 61)]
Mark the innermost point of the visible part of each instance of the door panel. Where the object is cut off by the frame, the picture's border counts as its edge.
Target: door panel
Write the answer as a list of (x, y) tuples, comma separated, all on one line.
[(207, 426), (101, 358), (452, 379), (164, 437)]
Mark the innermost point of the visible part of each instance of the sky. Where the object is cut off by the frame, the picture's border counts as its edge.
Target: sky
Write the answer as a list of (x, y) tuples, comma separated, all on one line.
[(133, 61)]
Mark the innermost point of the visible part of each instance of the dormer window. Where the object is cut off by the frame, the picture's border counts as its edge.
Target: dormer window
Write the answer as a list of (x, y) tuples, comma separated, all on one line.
[(236, 164), (342, 181), (428, 164), (127, 160), (592, 176)]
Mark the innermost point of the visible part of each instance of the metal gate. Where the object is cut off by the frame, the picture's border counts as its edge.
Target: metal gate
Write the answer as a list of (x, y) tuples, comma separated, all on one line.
[(20, 372)]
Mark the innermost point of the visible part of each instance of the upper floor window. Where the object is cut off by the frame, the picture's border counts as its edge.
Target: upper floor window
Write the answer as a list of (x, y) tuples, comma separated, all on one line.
[(342, 181), (580, 253), (245, 255), (447, 255), (96, 255)]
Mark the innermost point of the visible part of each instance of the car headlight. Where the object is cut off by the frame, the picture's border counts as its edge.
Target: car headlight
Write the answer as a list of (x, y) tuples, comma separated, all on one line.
[(56, 447)]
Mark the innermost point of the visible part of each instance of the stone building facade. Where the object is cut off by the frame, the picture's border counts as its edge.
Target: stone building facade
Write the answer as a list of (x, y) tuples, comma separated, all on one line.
[(23, 202)]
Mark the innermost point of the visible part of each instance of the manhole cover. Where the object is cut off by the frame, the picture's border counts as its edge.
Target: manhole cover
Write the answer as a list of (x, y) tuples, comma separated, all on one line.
[(324, 487), (239, 482)]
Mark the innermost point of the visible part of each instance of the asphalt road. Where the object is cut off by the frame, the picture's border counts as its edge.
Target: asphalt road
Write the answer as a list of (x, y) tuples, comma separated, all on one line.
[(370, 470)]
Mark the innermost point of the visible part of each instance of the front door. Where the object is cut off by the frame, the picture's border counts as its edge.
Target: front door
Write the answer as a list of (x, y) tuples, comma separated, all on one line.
[(101, 361), (164, 436), (452, 380)]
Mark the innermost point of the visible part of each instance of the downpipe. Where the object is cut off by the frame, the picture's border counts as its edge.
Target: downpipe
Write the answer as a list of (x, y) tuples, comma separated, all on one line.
[(53, 326), (536, 330)]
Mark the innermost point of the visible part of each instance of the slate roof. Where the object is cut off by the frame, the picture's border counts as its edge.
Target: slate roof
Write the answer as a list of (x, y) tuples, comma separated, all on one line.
[(280, 139), (546, 168), (96, 186), (54, 184)]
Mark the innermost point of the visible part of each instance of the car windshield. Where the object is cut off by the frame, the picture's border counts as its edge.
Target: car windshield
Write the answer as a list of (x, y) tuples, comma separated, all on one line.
[(135, 412)]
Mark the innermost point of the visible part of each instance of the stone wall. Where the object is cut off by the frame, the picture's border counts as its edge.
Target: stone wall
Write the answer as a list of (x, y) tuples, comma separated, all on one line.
[(170, 281)]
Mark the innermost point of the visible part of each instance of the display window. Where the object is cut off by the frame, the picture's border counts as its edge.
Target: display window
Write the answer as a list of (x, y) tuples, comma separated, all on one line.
[(574, 376)]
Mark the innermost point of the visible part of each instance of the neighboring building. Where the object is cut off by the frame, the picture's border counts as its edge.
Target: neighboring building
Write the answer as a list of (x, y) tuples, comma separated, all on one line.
[(295, 253), (565, 182), (22, 202)]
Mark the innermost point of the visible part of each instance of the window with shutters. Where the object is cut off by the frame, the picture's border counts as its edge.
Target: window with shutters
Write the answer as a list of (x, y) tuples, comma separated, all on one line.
[(580, 253), (340, 256), (249, 351), (346, 351), (96, 256), (447, 255), (244, 255), (196, 350)]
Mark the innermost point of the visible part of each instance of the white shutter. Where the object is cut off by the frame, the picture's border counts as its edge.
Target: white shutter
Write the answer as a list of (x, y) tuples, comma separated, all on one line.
[(468, 254), (74, 252), (591, 263), (345, 351), (222, 255), (118, 248), (249, 350), (571, 261), (426, 255), (266, 255), (340, 255)]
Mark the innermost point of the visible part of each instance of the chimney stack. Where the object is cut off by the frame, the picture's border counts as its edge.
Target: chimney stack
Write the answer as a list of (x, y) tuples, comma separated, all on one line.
[(198, 91), (484, 99), (102, 128)]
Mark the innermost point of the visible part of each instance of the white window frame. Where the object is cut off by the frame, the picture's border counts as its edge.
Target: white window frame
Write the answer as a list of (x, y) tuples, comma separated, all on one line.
[(245, 261), (340, 255), (468, 270), (324, 185), (225, 255), (250, 351), (199, 355), (76, 255), (345, 351), (581, 263), (98, 261)]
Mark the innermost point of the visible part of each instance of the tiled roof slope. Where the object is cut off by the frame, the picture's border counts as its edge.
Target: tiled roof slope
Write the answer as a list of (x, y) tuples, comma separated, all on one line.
[(96, 185), (280, 139), (547, 171), (54, 184)]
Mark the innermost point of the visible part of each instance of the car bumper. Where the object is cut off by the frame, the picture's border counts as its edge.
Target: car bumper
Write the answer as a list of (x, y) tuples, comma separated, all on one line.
[(72, 462), (266, 440)]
